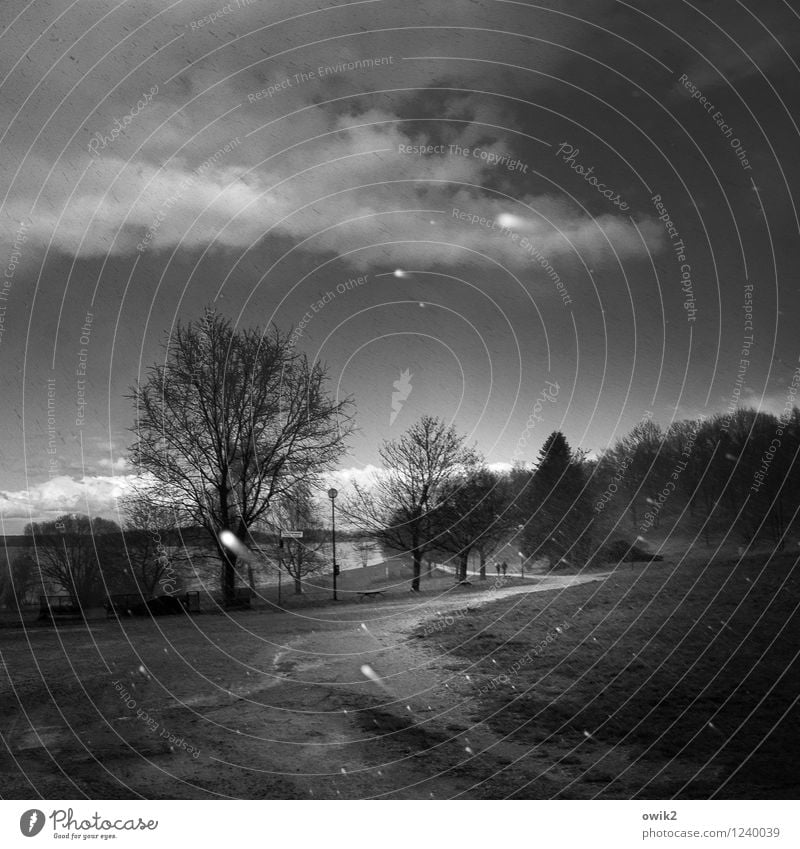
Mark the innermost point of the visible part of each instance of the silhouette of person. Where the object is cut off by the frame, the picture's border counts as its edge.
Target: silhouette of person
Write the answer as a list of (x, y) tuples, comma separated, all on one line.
[(497, 567), (504, 567)]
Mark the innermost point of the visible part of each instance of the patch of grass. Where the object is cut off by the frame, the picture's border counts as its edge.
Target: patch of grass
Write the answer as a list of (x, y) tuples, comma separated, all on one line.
[(659, 681)]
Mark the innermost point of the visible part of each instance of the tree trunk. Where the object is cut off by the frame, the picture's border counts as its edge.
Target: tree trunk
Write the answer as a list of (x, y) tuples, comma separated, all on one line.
[(298, 586), (462, 566), (483, 565), (417, 555), (228, 575), (778, 527)]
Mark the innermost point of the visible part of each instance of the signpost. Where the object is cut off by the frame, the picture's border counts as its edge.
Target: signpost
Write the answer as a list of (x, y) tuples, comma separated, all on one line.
[(286, 535)]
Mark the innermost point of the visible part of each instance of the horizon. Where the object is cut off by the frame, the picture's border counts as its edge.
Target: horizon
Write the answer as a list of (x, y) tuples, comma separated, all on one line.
[(341, 478)]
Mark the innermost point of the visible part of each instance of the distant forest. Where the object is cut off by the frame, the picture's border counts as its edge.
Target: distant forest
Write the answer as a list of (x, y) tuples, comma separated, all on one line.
[(732, 477)]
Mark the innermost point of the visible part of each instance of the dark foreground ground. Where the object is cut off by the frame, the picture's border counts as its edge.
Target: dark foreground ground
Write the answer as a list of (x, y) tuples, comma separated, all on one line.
[(663, 683), (656, 681)]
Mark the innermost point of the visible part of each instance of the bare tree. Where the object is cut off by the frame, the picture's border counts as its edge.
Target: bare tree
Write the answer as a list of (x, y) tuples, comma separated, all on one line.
[(302, 557), (78, 554), (150, 536), (230, 421), (399, 508), (476, 516)]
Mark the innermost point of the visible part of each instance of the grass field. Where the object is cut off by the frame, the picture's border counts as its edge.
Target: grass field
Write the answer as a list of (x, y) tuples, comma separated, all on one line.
[(659, 682)]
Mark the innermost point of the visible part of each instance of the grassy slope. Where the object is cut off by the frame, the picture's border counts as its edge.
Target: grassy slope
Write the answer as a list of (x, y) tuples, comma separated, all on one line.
[(661, 681)]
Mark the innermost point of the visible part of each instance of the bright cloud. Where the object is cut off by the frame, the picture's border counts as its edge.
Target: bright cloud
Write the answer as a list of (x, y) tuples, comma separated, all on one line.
[(118, 465), (92, 494)]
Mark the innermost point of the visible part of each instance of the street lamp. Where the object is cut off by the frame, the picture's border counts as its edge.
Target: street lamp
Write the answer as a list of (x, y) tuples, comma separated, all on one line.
[(332, 493)]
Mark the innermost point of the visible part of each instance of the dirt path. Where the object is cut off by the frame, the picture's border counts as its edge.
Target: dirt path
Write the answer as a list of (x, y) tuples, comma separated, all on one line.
[(327, 702), (400, 733)]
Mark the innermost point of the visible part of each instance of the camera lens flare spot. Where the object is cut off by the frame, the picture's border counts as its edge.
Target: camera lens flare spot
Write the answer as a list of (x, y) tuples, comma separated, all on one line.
[(508, 220)]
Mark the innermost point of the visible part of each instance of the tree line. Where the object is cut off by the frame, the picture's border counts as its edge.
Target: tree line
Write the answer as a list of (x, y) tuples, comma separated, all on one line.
[(235, 430), (707, 479)]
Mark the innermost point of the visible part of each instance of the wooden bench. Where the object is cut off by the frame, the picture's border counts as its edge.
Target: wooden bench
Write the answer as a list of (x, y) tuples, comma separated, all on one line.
[(370, 594)]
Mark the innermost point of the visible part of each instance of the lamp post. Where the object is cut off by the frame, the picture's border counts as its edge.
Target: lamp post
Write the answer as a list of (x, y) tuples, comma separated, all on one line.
[(332, 493)]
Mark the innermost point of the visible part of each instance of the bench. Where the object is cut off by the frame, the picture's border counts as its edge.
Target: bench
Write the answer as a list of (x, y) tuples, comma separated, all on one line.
[(133, 604), (122, 603), (53, 608), (370, 594)]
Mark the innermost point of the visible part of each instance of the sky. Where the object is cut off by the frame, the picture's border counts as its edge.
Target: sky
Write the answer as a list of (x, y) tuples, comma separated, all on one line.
[(517, 216)]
